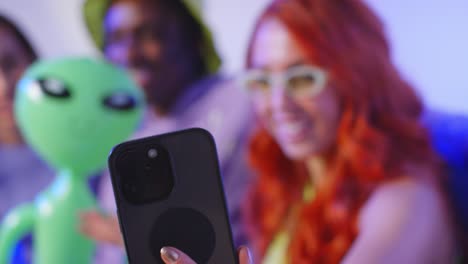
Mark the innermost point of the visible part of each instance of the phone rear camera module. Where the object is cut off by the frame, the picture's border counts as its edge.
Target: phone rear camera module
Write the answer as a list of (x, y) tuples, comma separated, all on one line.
[(152, 153), (146, 174)]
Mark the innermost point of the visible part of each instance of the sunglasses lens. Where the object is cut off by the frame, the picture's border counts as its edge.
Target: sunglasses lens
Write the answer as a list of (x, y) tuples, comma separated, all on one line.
[(305, 81), (257, 84), (301, 82)]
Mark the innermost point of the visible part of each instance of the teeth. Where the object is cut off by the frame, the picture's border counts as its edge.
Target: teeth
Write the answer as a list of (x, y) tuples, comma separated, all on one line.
[(139, 77), (291, 128)]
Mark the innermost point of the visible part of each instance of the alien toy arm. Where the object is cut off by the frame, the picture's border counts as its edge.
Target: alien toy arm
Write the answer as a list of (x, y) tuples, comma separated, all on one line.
[(14, 226)]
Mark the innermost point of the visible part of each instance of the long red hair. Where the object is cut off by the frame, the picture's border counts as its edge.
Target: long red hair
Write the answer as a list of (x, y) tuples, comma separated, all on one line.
[(379, 131)]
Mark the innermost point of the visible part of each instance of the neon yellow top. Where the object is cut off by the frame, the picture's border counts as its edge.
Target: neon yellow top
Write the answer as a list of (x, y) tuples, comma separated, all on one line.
[(277, 252)]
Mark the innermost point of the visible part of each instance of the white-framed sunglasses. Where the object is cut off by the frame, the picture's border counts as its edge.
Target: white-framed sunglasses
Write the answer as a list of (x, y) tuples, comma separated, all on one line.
[(298, 81)]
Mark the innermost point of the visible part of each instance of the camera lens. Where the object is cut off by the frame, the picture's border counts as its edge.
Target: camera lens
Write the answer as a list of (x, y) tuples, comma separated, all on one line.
[(152, 153), (146, 174)]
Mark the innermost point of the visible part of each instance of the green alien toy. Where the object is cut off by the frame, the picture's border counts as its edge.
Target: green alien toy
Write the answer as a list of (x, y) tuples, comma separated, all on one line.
[(72, 112)]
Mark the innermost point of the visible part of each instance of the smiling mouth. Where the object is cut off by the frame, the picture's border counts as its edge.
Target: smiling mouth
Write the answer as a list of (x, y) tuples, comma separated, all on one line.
[(292, 132), (141, 77)]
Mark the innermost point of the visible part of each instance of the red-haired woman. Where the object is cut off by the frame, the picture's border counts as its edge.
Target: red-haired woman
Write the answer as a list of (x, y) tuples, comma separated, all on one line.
[(345, 170)]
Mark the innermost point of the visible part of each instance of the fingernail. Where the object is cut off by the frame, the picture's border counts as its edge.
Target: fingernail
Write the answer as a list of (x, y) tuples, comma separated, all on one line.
[(247, 251), (249, 255), (170, 254)]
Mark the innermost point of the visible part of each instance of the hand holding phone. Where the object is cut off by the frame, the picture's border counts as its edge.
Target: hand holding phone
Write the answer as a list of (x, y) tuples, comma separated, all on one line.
[(173, 255), (169, 193)]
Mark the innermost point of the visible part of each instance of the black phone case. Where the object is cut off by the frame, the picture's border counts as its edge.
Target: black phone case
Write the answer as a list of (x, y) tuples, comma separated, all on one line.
[(192, 218)]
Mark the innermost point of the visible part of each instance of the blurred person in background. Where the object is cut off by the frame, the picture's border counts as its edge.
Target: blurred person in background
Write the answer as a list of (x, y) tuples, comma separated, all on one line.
[(22, 173), (345, 169), (170, 53)]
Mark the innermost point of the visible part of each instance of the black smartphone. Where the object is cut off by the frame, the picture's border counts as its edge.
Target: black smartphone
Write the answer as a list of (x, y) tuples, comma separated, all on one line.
[(169, 192)]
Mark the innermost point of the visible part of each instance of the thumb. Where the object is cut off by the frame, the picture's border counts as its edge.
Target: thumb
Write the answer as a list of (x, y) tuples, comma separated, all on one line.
[(172, 255)]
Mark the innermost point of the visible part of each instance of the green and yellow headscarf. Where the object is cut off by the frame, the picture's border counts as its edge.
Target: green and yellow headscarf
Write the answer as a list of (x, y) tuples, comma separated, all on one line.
[(94, 12)]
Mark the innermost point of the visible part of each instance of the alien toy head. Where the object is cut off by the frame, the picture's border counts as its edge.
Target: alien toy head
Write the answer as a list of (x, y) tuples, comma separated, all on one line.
[(73, 111)]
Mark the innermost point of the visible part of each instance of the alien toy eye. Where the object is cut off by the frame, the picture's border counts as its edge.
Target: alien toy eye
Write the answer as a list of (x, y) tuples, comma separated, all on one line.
[(120, 101), (54, 88)]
